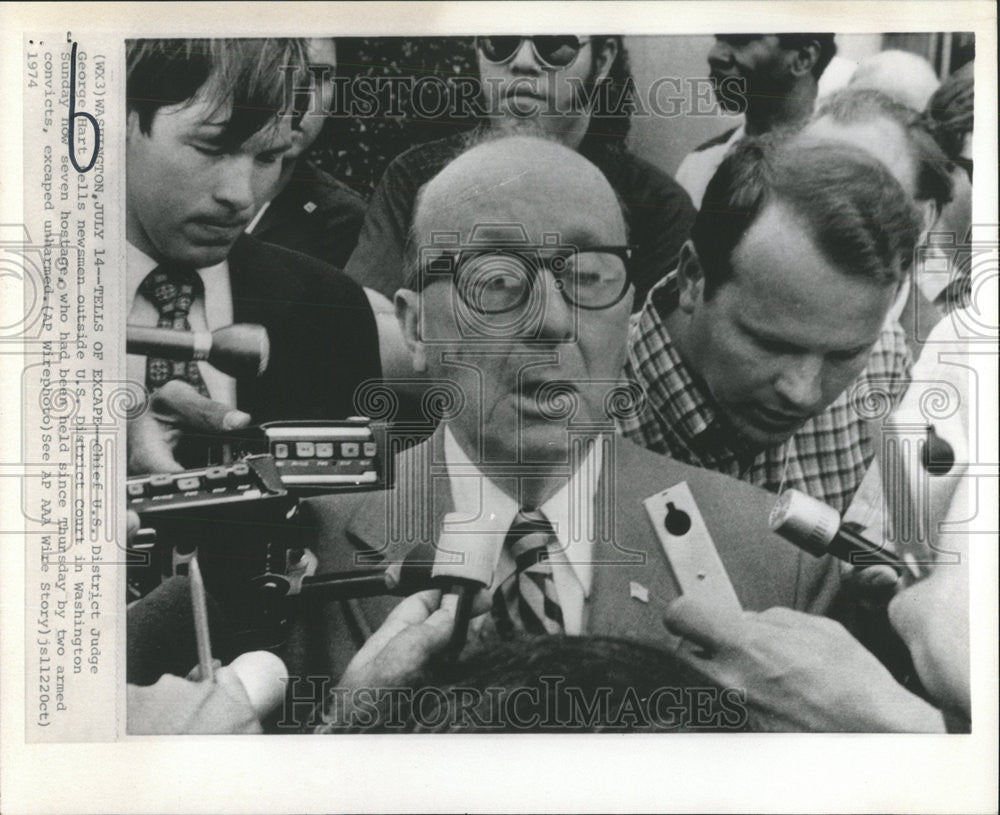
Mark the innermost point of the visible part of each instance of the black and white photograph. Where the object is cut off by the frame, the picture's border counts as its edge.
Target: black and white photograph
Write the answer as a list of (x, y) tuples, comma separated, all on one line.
[(635, 389)]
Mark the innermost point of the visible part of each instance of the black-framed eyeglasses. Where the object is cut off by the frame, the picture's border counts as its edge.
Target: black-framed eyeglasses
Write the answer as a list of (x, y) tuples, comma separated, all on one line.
[(499, 280), (552, 52)]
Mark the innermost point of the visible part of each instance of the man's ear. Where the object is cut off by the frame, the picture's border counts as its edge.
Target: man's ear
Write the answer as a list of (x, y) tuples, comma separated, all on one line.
[(605, 58), (132, 125), (928, 217), (804, 59), (690, 279), (408, 314)]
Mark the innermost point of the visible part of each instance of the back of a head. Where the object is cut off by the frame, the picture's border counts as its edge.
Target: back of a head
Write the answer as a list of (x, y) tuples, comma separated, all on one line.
[(906, 77), (950, 111), (860, 105), (858, 215), (560, 684), (246, 75)]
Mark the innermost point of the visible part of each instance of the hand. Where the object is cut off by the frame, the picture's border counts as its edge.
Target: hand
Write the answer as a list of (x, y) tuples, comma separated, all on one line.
[(870, 586), (800, 672), (416, 630), (932, 617), (175, 408), (174, 705)]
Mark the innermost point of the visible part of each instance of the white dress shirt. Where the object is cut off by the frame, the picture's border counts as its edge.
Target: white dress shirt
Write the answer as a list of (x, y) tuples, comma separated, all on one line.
[(214, 310), (491, 511)]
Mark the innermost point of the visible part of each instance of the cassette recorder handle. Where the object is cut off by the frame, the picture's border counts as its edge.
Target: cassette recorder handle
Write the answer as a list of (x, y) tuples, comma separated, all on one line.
[(240, 350)]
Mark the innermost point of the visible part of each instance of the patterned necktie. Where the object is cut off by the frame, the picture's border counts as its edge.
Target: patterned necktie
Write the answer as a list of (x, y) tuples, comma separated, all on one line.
[(527, 600), (172, 289)]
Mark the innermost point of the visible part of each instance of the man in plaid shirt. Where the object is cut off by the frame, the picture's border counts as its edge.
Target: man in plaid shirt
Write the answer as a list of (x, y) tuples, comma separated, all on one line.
[(767, 351)]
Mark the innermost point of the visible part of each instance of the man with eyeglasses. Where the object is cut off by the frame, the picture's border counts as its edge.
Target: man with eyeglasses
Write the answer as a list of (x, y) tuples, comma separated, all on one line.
[(520, 308), (573, 89)]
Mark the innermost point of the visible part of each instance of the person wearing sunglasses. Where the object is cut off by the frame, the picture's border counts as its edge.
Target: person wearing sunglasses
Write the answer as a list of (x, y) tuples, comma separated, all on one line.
[(576, 90)]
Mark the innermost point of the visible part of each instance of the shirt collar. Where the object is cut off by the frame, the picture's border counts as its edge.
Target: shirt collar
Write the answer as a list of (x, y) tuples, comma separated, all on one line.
[(570, 509), (670, 389), (137, 265)]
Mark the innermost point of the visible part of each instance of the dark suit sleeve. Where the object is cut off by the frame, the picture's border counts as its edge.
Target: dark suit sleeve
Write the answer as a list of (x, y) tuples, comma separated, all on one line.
[(377, 260), (323, 336)]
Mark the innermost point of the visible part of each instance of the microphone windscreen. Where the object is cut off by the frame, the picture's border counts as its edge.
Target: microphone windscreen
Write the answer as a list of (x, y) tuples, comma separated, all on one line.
[(462, 555), (160, 634)]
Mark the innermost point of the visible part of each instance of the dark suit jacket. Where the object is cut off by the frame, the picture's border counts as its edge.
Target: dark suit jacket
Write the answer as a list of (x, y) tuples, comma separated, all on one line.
[(765, 570), (324, 341), (314, 214)]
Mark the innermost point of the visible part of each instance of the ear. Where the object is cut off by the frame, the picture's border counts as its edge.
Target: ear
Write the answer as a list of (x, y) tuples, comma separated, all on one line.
[(606, 58), (690, 279), (408, 314), (132, 126), (804, 59), (928, 217)]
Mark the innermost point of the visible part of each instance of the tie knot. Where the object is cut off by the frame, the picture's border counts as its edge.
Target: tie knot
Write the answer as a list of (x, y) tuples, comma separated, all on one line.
[(172, 288), (528, 538)]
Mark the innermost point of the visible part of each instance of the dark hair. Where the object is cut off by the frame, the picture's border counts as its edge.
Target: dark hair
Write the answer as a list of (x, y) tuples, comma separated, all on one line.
[(853, 105), (248, 74), (826, 43), (551, 684), (859, 216), (615, 96), (949, 113)]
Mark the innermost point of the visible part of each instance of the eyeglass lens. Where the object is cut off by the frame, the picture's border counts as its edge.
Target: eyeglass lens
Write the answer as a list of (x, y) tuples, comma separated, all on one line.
[(554, 51)]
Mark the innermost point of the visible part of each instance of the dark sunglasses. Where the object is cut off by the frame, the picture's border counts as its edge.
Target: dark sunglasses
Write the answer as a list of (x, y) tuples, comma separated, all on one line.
[(552, 52)]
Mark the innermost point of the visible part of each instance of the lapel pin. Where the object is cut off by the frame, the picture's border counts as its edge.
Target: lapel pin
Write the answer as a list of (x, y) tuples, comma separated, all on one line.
[(637, 591)]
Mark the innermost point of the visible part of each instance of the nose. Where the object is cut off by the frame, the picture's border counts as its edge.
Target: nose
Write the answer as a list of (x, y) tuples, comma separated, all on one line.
[(234, 186), (558, 313), (524, 61), (800, 384)]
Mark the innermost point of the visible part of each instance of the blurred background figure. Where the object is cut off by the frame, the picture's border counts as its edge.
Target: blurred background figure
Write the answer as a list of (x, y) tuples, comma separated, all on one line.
[(950, 117), (902, 75), (575, 90), (780, 75), (311, 211), (898, 137)]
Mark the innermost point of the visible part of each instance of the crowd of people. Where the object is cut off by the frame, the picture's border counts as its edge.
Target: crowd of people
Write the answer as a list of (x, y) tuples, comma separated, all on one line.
[(611, 332)]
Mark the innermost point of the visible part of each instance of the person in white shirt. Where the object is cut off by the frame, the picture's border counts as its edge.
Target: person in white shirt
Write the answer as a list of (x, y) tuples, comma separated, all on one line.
[(207, 126), (773, 79)]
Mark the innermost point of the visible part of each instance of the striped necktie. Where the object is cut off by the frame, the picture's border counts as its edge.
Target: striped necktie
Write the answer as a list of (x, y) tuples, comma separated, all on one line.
[(527, 600), (173, 289)]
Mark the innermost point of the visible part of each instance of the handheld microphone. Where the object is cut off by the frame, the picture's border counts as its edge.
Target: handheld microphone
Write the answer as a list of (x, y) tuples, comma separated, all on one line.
[(240, 350), (816, 528), (464, 568)]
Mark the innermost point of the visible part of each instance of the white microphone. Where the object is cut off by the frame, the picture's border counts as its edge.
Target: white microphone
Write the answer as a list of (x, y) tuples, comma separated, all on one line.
[(463, 567)]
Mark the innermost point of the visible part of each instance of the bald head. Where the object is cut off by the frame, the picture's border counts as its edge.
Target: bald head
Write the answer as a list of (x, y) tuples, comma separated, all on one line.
[(905, 77), (539, 184)]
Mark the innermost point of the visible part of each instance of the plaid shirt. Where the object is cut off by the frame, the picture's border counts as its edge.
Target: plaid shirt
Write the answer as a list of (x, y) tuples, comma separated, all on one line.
[(826, 458)]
